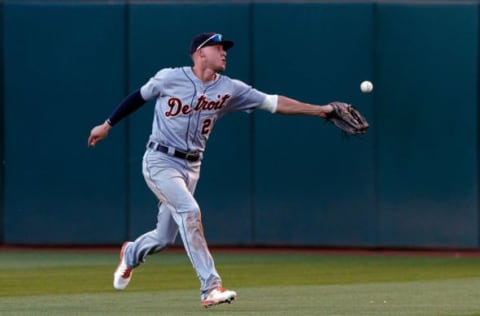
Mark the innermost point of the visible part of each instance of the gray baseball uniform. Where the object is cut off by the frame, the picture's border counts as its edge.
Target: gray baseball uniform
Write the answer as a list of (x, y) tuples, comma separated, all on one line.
[(185, 112)]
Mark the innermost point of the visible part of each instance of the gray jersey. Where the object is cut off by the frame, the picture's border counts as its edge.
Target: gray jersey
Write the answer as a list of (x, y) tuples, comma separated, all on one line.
[(186, 108)]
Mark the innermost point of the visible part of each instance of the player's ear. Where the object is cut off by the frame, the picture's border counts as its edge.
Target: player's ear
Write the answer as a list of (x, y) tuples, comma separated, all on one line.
[(200, 52)]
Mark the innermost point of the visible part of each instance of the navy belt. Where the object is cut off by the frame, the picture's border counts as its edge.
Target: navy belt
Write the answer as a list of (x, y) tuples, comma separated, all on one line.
[(176, 153)]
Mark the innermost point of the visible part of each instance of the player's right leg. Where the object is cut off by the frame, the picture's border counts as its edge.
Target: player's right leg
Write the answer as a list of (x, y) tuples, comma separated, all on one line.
[(134, 253)]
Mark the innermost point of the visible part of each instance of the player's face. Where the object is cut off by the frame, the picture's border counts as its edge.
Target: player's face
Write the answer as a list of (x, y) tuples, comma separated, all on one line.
[(216, 57)]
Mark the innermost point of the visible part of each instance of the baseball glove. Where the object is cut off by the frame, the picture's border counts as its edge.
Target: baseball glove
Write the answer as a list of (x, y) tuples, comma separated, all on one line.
[(347, 118)]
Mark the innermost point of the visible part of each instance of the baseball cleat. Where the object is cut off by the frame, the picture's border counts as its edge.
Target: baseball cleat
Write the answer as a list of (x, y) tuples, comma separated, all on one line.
[(122, 274), (219, 296)]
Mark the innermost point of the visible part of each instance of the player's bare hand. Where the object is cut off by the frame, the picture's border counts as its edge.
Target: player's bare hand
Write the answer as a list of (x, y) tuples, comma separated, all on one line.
[(98, 133)]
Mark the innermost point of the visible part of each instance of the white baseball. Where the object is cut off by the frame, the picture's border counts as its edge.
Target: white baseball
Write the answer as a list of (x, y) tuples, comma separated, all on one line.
[(366, 86)]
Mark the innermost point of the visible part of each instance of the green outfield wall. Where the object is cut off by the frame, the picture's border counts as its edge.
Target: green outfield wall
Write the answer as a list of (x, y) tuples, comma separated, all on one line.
[(411, 181)]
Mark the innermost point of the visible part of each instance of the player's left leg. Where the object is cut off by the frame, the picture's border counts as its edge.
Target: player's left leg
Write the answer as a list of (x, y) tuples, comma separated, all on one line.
[(186, 214), (189, 220), (191, 231)]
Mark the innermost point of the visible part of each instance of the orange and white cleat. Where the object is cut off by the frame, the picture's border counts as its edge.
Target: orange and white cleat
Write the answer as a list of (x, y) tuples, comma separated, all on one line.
[(123, 273), (219, 296)]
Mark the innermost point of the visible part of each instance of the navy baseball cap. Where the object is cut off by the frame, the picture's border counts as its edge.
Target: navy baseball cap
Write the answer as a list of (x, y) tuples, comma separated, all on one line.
[(208, 39)]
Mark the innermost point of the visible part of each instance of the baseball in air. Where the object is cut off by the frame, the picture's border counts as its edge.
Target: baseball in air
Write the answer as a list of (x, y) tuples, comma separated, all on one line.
[(366, 86)]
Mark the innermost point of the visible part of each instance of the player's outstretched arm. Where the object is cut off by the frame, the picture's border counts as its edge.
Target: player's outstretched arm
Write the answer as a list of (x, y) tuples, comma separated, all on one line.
[(98, 133), (290, 106)]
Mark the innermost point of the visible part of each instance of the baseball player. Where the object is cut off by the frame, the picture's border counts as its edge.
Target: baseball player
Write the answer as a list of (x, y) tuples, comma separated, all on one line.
[(189, 100)]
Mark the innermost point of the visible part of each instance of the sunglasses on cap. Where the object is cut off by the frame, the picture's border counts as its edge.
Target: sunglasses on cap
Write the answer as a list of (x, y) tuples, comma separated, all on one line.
[(215, 38), (207, 39)]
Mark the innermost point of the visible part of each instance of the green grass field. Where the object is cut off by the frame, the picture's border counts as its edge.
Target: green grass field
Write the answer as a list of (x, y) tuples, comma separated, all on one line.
[(64, 283)]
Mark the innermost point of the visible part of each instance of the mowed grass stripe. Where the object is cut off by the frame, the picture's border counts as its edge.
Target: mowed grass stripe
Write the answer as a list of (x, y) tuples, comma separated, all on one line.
[(53, 283), (66, 273), (59, 273), (439, 297)]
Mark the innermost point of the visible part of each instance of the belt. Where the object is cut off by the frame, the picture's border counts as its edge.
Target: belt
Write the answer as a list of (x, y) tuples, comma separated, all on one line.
[(176, 153)]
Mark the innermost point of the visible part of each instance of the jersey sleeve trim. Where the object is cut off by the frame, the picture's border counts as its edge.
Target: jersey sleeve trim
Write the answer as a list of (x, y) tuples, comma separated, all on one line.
[(270, 103)]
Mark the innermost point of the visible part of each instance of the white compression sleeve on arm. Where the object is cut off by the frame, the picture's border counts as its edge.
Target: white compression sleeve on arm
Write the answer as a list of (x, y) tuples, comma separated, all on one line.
[(270, 103)]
